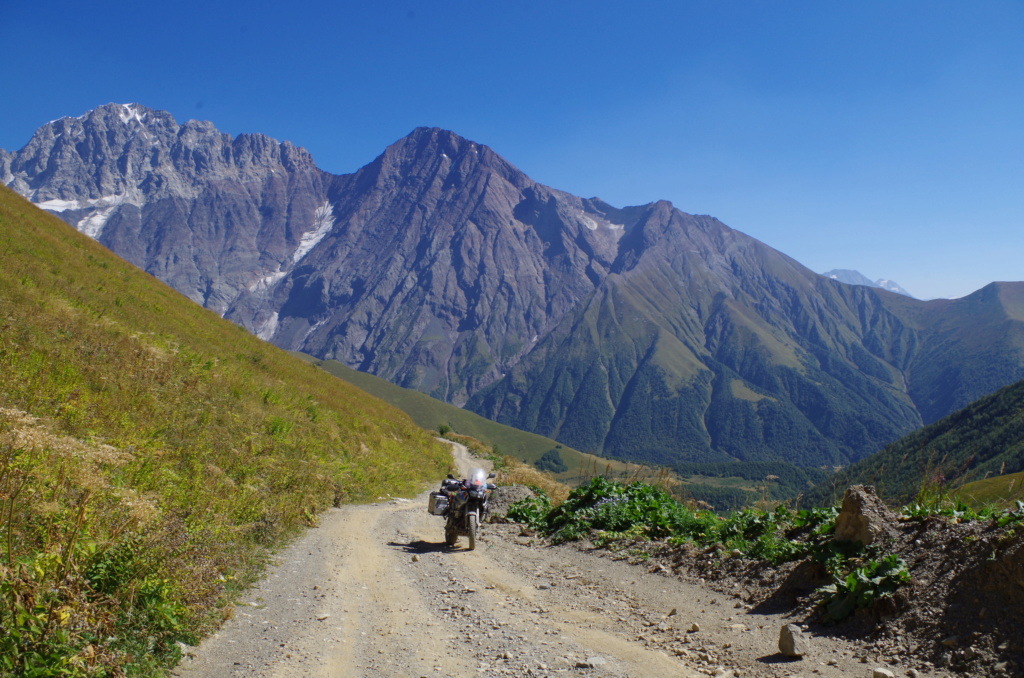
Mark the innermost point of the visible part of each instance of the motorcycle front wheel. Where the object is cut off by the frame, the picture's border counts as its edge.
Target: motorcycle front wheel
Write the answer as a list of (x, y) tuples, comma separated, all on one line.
[(450, 534), (472, 519)]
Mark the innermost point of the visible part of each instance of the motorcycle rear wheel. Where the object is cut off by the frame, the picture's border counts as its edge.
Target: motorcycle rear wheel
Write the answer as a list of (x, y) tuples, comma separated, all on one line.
[(471, 520)]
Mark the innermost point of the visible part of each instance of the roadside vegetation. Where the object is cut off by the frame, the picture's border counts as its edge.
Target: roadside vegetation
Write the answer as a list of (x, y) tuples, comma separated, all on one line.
[(623, 517), (152, 456)]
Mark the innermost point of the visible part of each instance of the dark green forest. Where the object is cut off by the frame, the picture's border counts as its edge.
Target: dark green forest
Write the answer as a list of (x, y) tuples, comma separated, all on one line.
[(986, 438)]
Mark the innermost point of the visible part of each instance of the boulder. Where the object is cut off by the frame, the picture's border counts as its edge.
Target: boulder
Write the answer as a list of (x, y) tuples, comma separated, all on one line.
[(864, 518)]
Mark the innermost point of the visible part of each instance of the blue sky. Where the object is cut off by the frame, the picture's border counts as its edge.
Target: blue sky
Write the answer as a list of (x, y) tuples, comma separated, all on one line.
[(886, 137)]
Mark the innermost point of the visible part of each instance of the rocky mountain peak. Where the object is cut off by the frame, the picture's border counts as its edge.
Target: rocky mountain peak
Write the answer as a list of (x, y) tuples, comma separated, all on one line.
[(134, 154)]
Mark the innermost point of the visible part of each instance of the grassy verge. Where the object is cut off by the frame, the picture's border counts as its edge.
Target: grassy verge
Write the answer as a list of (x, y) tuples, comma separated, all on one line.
[(152, 455)]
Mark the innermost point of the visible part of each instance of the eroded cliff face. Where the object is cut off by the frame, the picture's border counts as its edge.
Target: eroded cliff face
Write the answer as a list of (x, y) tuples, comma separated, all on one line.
[(643, 332)]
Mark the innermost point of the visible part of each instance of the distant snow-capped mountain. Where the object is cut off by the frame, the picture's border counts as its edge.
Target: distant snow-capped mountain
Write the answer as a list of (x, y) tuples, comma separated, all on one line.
[(845, 275)]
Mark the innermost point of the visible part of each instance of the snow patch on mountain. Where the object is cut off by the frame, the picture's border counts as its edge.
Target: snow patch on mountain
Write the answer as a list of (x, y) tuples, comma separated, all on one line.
[(323, 222), (267, 330), (93, 224), (57, 205), (130, 112), (851, 277), (267, 282), (592, 224)]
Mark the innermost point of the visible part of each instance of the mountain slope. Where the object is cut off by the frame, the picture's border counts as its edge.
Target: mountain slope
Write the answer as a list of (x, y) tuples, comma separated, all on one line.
[(642, 332), (986, 438)]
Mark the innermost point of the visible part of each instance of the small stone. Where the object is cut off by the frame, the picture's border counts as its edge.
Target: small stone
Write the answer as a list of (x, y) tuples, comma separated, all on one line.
[(793, 642), (882, 673), (322, 617), (952, 641), (672, 613), (415, 558), (694, 627)]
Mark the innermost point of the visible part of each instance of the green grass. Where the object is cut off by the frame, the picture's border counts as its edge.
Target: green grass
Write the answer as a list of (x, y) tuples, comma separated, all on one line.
[(1000, 491), (152, 455), (431, 413)]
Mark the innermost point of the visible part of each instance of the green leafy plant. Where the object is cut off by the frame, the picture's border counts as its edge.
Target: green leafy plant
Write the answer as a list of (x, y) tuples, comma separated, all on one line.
[(863, 586), (531, 511)]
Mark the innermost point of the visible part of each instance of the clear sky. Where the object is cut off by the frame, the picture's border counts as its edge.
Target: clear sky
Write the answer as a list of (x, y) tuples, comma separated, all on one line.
[(883, 136)]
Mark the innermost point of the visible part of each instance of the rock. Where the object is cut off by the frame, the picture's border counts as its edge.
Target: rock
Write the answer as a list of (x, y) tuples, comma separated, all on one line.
[(694, 627), (793, 642), (863, 518), (882, 673), (415, 559)]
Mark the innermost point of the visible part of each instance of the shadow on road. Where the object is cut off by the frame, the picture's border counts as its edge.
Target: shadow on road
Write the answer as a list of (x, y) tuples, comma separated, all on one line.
[(419, 546), (778, 658)]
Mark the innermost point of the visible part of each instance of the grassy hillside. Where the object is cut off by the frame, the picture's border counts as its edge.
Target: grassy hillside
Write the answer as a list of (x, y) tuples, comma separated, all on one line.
[(725, 486), (999, 491), (151, 454), (986, 438), (431, 413)]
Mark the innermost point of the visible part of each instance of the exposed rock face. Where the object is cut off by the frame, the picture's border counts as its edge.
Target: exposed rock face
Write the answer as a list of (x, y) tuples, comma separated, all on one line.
[(210, 215), (643, 332), (444, 266), (863, 517)]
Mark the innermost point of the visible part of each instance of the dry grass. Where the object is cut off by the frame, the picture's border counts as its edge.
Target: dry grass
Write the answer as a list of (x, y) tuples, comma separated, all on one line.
[(514, 472)]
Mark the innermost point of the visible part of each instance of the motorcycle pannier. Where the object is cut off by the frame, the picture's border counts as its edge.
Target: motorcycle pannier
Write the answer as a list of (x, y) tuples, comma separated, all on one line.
[(437, 505)]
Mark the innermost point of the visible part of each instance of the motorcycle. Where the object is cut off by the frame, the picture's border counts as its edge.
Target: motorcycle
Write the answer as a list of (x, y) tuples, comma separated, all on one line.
[(464, 505)]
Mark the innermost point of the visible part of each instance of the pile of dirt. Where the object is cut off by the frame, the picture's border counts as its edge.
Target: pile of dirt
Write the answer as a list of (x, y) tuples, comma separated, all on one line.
[(960, 612), (503, 497)]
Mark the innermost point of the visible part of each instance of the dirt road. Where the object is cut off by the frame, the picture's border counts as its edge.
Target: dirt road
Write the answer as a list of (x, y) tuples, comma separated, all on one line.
[(374, 592)]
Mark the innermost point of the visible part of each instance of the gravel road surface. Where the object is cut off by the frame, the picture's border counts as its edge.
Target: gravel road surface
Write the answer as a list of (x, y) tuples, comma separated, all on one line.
[(374, 592)]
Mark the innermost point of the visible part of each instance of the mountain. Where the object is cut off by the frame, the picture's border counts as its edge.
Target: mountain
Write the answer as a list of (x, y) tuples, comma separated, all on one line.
[(984, 439), (640, 332), (205, 213), (851, 277)]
